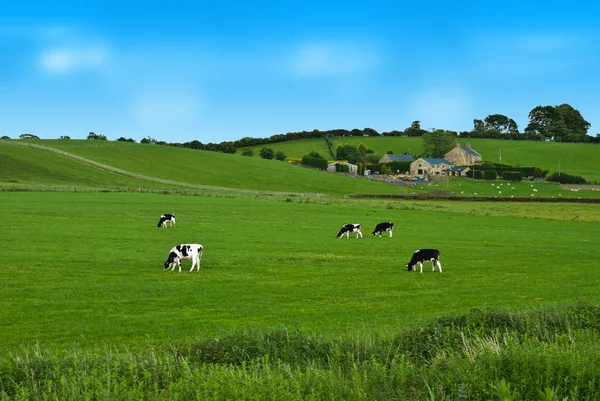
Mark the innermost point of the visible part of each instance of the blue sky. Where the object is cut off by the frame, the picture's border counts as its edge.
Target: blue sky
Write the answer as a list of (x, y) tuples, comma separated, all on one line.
[(222, 70)]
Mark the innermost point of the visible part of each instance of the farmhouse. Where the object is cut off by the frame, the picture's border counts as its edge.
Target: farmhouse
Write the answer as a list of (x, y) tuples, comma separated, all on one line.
[(352, 168), (457, 171), (396, 158), (430, 166), (463, 155)]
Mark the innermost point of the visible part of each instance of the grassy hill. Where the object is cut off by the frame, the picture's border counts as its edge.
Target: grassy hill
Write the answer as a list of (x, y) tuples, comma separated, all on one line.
[(575, 158), (22, 164)]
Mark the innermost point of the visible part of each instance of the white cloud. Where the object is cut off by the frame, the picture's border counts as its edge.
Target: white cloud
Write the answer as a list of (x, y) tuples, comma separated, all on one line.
[(442, 106), (64, 60), (332, 59)]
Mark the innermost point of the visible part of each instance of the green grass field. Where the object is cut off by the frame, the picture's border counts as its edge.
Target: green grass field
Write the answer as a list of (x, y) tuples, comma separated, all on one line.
[(282, 309), (187, 166), (93, 267)]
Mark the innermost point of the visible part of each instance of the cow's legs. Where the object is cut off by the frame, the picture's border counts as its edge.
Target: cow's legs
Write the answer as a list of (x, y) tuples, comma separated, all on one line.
[(421, 266), (439, 265), (390, 233)]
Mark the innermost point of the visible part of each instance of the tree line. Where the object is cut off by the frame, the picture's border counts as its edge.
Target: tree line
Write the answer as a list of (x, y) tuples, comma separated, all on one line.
[(562, 123)]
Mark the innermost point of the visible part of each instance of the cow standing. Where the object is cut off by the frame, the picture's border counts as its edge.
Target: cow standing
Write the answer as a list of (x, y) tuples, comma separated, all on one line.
[(381, 227), (350, 228), (425, 255), (166, 220), (184, 251)]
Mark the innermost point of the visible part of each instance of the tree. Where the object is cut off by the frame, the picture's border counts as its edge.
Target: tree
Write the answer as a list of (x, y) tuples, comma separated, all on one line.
[(280, 155), (267, 153), (370, 132), (414, 129), (438, 143), (478, 126), (29, 136), (148, 140), (64, 137), (560, 123), (575, 124), (500, 123), (96, 137)]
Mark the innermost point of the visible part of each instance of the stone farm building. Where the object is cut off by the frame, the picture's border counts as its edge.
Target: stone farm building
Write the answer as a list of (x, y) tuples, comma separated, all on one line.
[(463, 155), (396, 158), (457, 171), (430, 166), (352, 168)]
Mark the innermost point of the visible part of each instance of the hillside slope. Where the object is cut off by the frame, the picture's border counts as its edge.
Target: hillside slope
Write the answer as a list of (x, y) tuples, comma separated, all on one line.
[(573, 158), (174, 164)]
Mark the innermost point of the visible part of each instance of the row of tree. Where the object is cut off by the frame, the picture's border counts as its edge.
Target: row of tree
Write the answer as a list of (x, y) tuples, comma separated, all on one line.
[(561, 123)]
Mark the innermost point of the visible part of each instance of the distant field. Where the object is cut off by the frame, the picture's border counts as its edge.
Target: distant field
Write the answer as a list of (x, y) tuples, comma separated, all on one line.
[(575, 158), (93, 269), (195, 167)]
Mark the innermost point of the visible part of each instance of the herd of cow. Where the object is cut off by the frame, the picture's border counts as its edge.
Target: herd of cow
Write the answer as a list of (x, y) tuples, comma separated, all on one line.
[(194, 251)]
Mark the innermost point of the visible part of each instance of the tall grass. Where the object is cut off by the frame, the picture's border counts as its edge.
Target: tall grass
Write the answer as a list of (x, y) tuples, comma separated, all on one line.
[(483, 354)]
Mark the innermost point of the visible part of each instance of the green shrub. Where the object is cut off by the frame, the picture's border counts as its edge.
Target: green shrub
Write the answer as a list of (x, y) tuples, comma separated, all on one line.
[(512, 176), (490, 175), (267, 153), (476, 174), (342, 168), (247, 152), (314, 162), (564, 178), (280, 155)]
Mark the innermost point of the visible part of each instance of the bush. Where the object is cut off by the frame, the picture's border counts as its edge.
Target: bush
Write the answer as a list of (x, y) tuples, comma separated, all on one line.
[(490, 175), (342, 168), (475, 174), (512, 176), (314, 162), (247, 152), (564, 178), (280, 156), (267, 153)]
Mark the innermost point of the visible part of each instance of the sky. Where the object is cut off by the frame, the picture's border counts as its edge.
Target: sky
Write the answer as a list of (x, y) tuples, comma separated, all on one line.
[(222, 70)]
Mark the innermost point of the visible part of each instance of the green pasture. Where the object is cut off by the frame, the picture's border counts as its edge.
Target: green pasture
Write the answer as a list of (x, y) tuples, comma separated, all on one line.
[(86, 268), (573, 158), (186, 166), (296, 149), (500, 189)]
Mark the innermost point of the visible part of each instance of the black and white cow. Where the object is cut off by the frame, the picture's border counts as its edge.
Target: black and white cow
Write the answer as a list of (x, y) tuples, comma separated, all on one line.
[(381, 227), (425, 255), (350, 228), (184, 251), (167, 220)]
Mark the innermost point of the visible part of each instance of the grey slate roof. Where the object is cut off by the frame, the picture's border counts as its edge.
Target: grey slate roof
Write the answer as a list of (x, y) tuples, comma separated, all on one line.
[(437, 161), (401, 158), (470, 151)]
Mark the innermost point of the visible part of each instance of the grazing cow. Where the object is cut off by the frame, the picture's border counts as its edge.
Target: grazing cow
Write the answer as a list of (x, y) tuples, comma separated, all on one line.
[(350, 228), (425, 255), (167, 220), (184, 251), (381, 227)]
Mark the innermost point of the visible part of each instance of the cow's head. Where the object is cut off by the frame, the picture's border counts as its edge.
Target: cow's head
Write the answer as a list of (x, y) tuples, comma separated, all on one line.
[(410, 268), (173, 258)]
